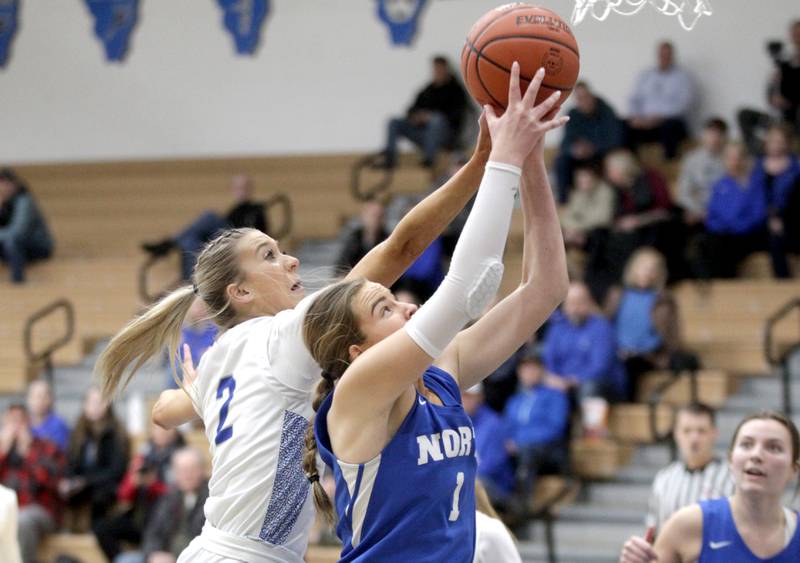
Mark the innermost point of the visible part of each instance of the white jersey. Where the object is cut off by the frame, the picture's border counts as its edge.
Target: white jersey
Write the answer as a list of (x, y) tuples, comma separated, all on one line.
[(254, 389)]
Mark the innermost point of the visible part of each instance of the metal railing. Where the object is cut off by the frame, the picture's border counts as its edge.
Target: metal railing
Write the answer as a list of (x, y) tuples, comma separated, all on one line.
[(45, 355), (779, 358), (361, 193), (279, 201)]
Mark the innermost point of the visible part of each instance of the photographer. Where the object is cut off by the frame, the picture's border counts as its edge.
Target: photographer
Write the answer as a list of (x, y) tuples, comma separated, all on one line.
[(783, 94), (785, 87)]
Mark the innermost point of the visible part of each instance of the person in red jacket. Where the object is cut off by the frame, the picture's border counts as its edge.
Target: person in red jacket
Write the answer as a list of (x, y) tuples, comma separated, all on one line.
[(32, 468)]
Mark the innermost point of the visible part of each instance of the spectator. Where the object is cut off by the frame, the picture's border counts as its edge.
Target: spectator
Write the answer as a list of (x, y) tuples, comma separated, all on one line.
[(646, 320), (777, 175), (590, 207), (45, 423), (699, 475), (244, 213), (9, 546), (426, 273), (143, 484), (178, 516), (700, 170), (642, 213), (494, 466), (785, 87), (580, 348), (31, 467), (370, 232), (783, 95), (535, 423), (735, 219), (198, 333), (97, 457), (24, 235), (661, 99), (434, 119), (593, 130)]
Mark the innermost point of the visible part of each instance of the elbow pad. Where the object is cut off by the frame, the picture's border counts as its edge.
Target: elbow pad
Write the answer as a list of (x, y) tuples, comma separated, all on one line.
[(476, 269)]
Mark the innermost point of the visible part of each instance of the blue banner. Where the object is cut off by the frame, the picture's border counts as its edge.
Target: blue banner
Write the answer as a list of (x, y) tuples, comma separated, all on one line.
[(113, 22), (243, 19), (401, 17), (8, 26)]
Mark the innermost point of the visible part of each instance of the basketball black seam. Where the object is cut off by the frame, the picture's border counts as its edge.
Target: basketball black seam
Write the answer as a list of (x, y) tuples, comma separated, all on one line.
[(478, 36), (543, 38), (480, 56)]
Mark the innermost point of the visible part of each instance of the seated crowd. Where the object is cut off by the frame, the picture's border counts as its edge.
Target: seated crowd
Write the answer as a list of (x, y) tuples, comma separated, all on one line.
[(142, 508)]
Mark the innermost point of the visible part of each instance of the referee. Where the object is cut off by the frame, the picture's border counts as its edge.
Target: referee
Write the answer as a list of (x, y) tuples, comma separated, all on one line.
[(699, 475)]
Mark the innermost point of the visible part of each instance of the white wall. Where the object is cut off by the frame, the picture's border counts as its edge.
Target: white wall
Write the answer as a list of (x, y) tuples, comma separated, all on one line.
[(324, 79)]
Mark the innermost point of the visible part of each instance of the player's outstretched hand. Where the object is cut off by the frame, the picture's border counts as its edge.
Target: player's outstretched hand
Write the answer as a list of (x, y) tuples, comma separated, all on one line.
[(523, 124), (638, 549), (189, 373)]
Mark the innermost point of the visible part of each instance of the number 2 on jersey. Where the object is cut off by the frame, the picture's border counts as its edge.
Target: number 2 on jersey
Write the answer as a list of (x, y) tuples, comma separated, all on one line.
[(224, 433), (454, 514)]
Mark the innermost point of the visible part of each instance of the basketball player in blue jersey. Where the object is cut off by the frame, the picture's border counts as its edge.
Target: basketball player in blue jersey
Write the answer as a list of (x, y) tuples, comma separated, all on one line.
[(391, 424), (253, 388), (751, 526)]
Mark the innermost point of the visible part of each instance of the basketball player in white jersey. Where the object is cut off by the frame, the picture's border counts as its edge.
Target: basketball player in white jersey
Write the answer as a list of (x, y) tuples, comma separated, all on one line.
[(254, 387)]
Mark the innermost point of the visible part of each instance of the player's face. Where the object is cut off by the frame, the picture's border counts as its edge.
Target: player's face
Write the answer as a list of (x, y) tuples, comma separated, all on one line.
[(761, 459), (379, 313), (695, 436), (269, 280)]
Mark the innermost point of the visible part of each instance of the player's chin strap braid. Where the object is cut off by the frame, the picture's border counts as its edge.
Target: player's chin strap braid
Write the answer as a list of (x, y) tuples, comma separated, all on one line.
[(477, 265)]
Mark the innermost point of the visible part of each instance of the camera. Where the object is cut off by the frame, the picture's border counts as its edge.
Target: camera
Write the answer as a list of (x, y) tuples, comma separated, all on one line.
[(775, 50)]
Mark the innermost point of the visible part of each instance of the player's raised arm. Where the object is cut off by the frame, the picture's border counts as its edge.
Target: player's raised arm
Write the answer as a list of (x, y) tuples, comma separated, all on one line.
[(480, 349)]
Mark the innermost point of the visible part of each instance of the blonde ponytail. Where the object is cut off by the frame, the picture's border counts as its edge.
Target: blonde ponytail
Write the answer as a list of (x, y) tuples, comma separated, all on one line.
[(143, 338)]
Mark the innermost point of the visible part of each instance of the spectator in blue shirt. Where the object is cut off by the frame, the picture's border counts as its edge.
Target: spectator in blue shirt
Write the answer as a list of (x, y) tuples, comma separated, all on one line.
[(580, 348), (660, 103), (24, 235), (494, 465), (45, 423), (198, 333), (593, 130), (535, 423), (736, 219), (777, 174)]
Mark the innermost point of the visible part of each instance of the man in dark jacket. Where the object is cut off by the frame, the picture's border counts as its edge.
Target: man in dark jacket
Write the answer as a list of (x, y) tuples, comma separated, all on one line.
[(593, 130), (179, 515), (434, 120), (245, 213), (24, 235)]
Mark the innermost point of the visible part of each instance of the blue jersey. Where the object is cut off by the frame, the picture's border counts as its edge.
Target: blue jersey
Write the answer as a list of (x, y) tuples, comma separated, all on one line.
[(415, 501), (723, 544)]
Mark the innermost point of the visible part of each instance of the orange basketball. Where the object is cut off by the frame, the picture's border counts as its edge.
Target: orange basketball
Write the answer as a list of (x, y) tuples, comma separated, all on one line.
[(534, 37)]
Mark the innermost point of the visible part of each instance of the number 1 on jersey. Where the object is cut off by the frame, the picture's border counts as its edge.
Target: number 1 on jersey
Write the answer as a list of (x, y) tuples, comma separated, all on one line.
[(224, 433), (456, 494)]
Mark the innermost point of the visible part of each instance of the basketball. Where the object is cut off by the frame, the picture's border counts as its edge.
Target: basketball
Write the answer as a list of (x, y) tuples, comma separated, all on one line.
[(531, 35)]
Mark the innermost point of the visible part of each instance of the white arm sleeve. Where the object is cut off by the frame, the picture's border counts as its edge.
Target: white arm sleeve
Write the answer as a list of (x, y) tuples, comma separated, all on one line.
[(477, 266)]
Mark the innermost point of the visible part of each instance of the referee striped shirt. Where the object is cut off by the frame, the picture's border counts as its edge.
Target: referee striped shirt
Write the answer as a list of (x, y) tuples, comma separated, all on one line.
[(677, 486)]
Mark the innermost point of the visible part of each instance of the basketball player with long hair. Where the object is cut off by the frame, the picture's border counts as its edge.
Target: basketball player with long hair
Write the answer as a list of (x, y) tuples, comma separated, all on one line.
[(253, 388), (752, 525), (390, 421)]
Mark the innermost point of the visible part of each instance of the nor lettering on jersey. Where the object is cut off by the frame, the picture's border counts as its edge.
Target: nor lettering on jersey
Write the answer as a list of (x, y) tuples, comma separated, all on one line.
[(446, 444)]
